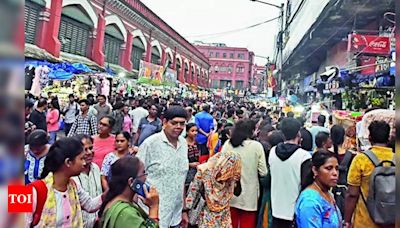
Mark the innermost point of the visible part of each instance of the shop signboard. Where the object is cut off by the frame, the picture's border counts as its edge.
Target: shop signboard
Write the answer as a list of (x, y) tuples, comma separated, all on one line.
[(170, 76), (156, 74), (382, 64), (333, 87), (379, 45)]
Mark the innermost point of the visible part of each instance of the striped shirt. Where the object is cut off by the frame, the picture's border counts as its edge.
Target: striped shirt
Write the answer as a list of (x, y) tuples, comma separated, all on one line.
[(84, 125), (33, 167)]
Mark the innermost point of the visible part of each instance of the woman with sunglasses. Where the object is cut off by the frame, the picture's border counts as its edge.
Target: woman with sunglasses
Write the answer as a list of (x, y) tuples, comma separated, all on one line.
[(119, 208)]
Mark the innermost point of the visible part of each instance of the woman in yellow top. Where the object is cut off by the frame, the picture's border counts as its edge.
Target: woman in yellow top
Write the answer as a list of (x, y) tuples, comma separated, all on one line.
[(214, 138)]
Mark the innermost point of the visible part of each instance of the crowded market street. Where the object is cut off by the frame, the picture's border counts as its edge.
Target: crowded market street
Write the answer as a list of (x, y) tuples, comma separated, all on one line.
[(140, 115)]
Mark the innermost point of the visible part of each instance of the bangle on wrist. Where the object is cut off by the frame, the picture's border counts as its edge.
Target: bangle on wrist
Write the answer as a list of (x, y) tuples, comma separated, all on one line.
[(156, 219), (185, 210)]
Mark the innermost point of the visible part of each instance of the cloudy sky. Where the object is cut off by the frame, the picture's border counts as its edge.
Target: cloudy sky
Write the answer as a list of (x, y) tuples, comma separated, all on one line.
[(197, 19)]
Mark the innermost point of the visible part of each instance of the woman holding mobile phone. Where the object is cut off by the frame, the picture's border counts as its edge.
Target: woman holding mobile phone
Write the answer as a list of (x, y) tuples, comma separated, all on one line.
[(118, 208)]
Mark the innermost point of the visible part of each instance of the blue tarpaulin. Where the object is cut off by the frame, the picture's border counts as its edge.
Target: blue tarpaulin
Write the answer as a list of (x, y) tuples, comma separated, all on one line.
[(61, 71)]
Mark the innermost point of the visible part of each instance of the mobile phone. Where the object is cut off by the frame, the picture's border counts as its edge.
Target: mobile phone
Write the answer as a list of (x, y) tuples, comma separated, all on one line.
[(138, 187)]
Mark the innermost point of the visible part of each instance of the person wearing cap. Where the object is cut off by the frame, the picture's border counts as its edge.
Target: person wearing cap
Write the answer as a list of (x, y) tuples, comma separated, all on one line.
[(38, 149)]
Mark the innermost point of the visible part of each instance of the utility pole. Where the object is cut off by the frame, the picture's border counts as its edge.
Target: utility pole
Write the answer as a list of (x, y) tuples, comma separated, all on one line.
[(281, 51), (280, 40)]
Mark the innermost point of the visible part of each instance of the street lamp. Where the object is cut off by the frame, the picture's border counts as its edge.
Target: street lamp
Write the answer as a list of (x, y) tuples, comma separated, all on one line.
[(280, 38)]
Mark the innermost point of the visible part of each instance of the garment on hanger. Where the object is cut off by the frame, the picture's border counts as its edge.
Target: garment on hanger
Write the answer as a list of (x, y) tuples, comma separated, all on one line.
[(29, 74)]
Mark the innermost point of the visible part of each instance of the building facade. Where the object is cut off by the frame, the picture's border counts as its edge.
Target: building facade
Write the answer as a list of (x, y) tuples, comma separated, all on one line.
[(351, 36), (119, 33), (230, 67)]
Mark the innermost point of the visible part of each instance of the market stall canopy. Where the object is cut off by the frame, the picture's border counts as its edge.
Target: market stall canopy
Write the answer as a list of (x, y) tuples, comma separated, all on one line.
[(34, 52), (389, 116), (80, 59)]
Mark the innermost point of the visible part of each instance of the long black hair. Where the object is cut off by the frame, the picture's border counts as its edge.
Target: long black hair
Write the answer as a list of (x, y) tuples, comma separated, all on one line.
[(62, 149), (319, 158), (337, 136), (123, 169), (190, 125), (241, 131)]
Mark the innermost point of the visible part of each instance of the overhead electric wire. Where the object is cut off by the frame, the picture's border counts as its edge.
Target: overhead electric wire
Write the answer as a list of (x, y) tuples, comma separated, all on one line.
[(234, 30)]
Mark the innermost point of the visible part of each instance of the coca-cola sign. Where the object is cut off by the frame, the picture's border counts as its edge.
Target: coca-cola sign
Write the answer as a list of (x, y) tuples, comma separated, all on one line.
[(370, 44)]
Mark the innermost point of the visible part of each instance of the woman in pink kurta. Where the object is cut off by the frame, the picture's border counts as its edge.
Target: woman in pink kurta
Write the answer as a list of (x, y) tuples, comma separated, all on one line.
[(127, 125), (52, 118)]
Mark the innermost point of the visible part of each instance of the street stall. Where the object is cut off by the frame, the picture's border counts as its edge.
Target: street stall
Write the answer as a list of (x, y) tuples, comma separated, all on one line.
[(375, 115), (64, 78)]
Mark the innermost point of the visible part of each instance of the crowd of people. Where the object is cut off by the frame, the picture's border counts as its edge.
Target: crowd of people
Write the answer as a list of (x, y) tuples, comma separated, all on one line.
[(174, 162)]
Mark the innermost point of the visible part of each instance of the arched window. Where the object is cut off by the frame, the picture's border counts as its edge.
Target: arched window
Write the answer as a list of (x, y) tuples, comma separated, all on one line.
[(32, 10), (229, 68), (75, 29), (155, 55), (178, 68), (137, 52), (186, 73), (113, 40)]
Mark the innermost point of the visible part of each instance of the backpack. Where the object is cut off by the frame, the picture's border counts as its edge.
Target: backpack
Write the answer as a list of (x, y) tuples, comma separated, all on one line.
[(340, 191), (381, 200)]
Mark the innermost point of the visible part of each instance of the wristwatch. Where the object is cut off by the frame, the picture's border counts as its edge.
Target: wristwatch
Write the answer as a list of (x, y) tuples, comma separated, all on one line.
[(185, 210)]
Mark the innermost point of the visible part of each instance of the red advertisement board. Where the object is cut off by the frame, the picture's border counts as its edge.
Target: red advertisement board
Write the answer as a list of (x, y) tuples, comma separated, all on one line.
[(370, 44)]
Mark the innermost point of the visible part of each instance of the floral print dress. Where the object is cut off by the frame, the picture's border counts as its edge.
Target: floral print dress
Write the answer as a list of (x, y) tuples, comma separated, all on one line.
[(217, 178)]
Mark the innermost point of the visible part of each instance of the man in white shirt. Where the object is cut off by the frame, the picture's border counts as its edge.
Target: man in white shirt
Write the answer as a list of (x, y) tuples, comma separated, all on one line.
[(289, 166), (164, 155), (137, 114)]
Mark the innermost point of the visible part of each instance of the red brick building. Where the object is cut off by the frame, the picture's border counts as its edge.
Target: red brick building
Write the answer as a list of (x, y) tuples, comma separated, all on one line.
[(119, 33), (231, 67)]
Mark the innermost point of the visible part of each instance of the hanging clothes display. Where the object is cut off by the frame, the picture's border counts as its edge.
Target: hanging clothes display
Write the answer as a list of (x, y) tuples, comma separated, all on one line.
[(105, 87), (43, 72), (29, 74), (35, 89)]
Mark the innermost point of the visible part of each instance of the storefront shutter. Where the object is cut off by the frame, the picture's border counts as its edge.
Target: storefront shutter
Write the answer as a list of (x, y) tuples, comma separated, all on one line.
[(112, 47), (74, 36), (137, 54), (31, 21)]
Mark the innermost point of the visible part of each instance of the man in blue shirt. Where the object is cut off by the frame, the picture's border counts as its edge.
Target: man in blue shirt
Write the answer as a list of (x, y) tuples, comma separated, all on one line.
[(316, 129), (38, 149), (205, 125)]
